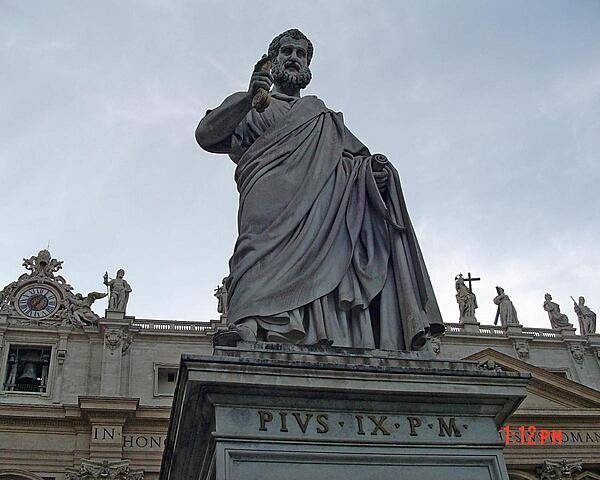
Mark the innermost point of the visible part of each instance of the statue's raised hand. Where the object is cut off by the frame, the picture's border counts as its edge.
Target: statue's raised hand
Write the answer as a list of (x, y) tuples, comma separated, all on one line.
[(260, 83)]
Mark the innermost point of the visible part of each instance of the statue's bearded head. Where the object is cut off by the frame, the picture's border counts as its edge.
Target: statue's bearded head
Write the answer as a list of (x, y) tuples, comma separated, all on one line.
[(291, 53)]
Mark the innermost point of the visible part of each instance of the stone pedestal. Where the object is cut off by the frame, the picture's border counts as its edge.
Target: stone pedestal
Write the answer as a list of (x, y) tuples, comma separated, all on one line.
[(273, 411), (470, 324), (114, 328)]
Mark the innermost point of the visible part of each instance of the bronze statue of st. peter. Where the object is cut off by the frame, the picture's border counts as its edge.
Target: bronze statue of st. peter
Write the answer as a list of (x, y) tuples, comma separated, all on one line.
[(326, 252)]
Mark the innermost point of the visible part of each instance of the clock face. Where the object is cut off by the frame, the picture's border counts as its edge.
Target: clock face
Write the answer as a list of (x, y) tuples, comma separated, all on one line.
[(37, 301)]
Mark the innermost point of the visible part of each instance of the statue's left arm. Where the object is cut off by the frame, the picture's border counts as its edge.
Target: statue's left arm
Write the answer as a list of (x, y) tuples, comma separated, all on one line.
[(354, 146)]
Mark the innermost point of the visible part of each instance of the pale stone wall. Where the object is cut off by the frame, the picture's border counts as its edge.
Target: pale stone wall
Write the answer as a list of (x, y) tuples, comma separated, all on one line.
[(45, 433), (546, 348)]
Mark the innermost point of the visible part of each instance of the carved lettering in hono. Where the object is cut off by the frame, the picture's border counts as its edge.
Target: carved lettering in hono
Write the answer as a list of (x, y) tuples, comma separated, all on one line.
[(448, 429), (283, 416), (359, 421), (103, 433), (379, 425), (143, 441), (264, 418), (414, 423), (303, 424), (322, 421)]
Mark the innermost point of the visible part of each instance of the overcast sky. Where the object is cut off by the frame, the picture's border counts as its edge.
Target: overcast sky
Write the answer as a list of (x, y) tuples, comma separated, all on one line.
[(489, 110)]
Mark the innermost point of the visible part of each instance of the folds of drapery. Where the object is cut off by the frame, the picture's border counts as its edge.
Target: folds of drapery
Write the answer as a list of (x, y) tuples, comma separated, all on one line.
[(318, 243)]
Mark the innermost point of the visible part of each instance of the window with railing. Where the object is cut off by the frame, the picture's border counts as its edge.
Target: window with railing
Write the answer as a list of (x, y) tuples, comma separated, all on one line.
[(27, 368)]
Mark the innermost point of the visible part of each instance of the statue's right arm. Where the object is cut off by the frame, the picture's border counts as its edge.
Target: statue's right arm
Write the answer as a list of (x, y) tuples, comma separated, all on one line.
[(215, 130)]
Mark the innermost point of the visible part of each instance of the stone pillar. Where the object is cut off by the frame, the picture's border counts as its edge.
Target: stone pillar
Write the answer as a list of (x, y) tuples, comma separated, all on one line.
[(114, 328), (107, 416), (60, 356)]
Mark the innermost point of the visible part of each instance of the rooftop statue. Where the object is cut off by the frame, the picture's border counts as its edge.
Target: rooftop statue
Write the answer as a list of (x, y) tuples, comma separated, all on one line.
[(558, 320), (119, 291), (506, 313), (466, 299), (587, 318), (326, 252)]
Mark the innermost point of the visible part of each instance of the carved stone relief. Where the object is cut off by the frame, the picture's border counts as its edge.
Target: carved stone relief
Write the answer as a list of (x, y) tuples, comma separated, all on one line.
[(559, 469), (104, 470)]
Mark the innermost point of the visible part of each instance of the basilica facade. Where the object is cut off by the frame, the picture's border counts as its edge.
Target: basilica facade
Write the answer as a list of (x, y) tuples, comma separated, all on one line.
[(88, 396)]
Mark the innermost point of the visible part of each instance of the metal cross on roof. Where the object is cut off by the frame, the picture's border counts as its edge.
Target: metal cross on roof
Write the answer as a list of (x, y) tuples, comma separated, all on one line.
[(469, 279)]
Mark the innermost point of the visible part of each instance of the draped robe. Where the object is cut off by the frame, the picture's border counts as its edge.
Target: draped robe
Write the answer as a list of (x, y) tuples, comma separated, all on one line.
[(321, 255)]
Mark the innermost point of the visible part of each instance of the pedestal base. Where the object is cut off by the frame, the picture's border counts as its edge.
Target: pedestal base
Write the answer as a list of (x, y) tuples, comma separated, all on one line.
[(262, 411)]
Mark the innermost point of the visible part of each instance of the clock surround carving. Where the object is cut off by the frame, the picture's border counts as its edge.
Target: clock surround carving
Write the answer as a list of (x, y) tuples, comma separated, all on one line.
[(41, 297)]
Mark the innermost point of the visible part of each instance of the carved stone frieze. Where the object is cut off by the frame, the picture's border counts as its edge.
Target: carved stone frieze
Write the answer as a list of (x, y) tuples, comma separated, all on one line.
[(490, 365), (113, 338), (116, 337), (104, 470), (522, 349), (559, 469), (578, 353)]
